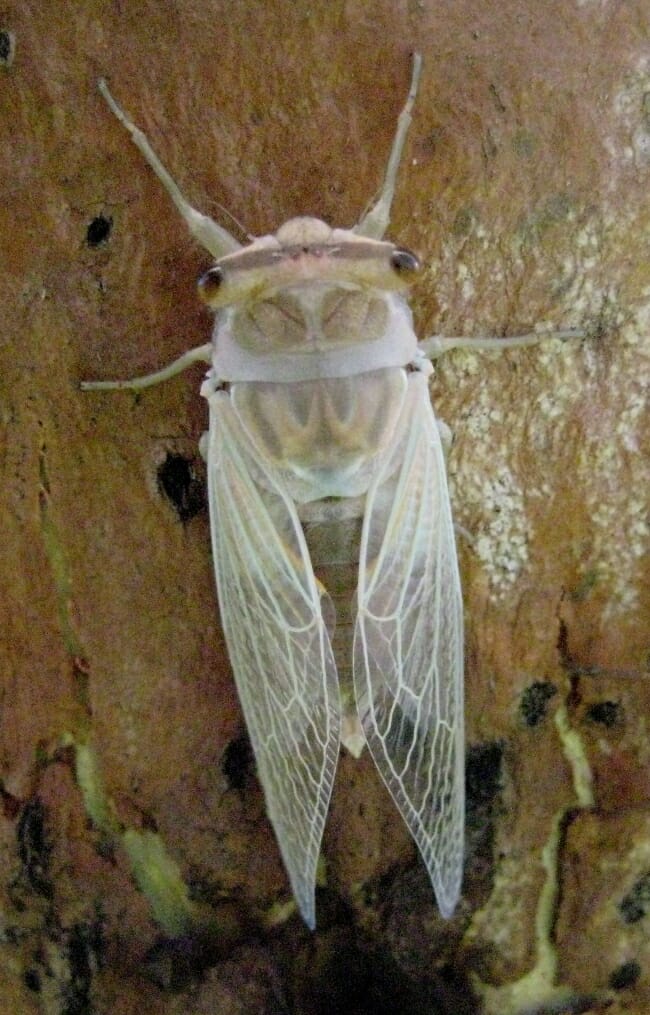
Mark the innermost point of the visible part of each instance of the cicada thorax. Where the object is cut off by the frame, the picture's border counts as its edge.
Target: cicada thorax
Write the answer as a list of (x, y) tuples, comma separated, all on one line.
[(327, 438)]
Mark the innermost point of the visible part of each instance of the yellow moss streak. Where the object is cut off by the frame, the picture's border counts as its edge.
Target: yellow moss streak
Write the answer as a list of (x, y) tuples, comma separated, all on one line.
[(159, 879), (280, 913), (574, 752), (538, 987), (156, 874), (93, 792), (58, 562)]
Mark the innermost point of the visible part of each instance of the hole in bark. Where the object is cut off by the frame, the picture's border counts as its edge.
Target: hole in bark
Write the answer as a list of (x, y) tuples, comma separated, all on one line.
[(98, 230), (534, 702), (625, 975), (607, 713), (237, 762), (178, 482)]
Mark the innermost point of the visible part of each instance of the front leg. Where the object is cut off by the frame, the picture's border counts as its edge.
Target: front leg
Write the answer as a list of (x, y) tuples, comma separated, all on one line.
[(201, 354), (435, 346)]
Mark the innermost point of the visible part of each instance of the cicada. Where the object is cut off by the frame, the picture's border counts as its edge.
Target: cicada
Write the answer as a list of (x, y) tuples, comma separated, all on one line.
[(323, 452)]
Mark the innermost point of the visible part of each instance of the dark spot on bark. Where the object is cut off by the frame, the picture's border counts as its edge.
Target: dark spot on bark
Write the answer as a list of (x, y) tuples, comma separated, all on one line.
[(607, 713), (483, 774), (174, 963), (10, 804), (7, 47), (625, 975), (534, 702), (32, 980), (237, 762), (634, 906), (34, 848), (83, 948), (483, 780)]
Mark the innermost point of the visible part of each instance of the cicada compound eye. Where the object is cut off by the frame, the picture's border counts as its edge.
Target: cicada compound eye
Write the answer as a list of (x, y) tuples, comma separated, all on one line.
[(210, 283), (404, 262)]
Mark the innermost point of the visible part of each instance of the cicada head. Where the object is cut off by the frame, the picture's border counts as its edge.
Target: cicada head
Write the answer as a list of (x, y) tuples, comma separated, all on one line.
[(306, 251), (307, 291)]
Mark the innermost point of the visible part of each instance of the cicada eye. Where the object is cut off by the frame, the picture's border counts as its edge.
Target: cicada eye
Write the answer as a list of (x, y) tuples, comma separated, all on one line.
[(210, 283), (404, 262)]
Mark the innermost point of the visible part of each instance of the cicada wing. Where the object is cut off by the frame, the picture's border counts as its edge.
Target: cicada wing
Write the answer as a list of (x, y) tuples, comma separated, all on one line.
[(279, 648), (408, 647)]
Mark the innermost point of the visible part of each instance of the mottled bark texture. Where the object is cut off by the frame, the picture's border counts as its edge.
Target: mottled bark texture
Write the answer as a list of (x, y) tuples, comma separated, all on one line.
[(135, 848)]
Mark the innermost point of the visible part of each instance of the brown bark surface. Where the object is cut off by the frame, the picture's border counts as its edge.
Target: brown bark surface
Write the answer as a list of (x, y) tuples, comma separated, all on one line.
[(526, 190)]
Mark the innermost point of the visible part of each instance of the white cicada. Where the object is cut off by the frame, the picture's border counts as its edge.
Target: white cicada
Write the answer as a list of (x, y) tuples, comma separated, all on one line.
[(323, 453)]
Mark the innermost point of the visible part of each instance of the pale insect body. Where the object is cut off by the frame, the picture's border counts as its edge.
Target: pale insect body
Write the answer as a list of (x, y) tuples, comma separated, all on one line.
[(323, 451)]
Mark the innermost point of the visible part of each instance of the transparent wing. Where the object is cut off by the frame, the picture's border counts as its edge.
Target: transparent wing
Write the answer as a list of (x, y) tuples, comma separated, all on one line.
[(408, 647), (277, 640)]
